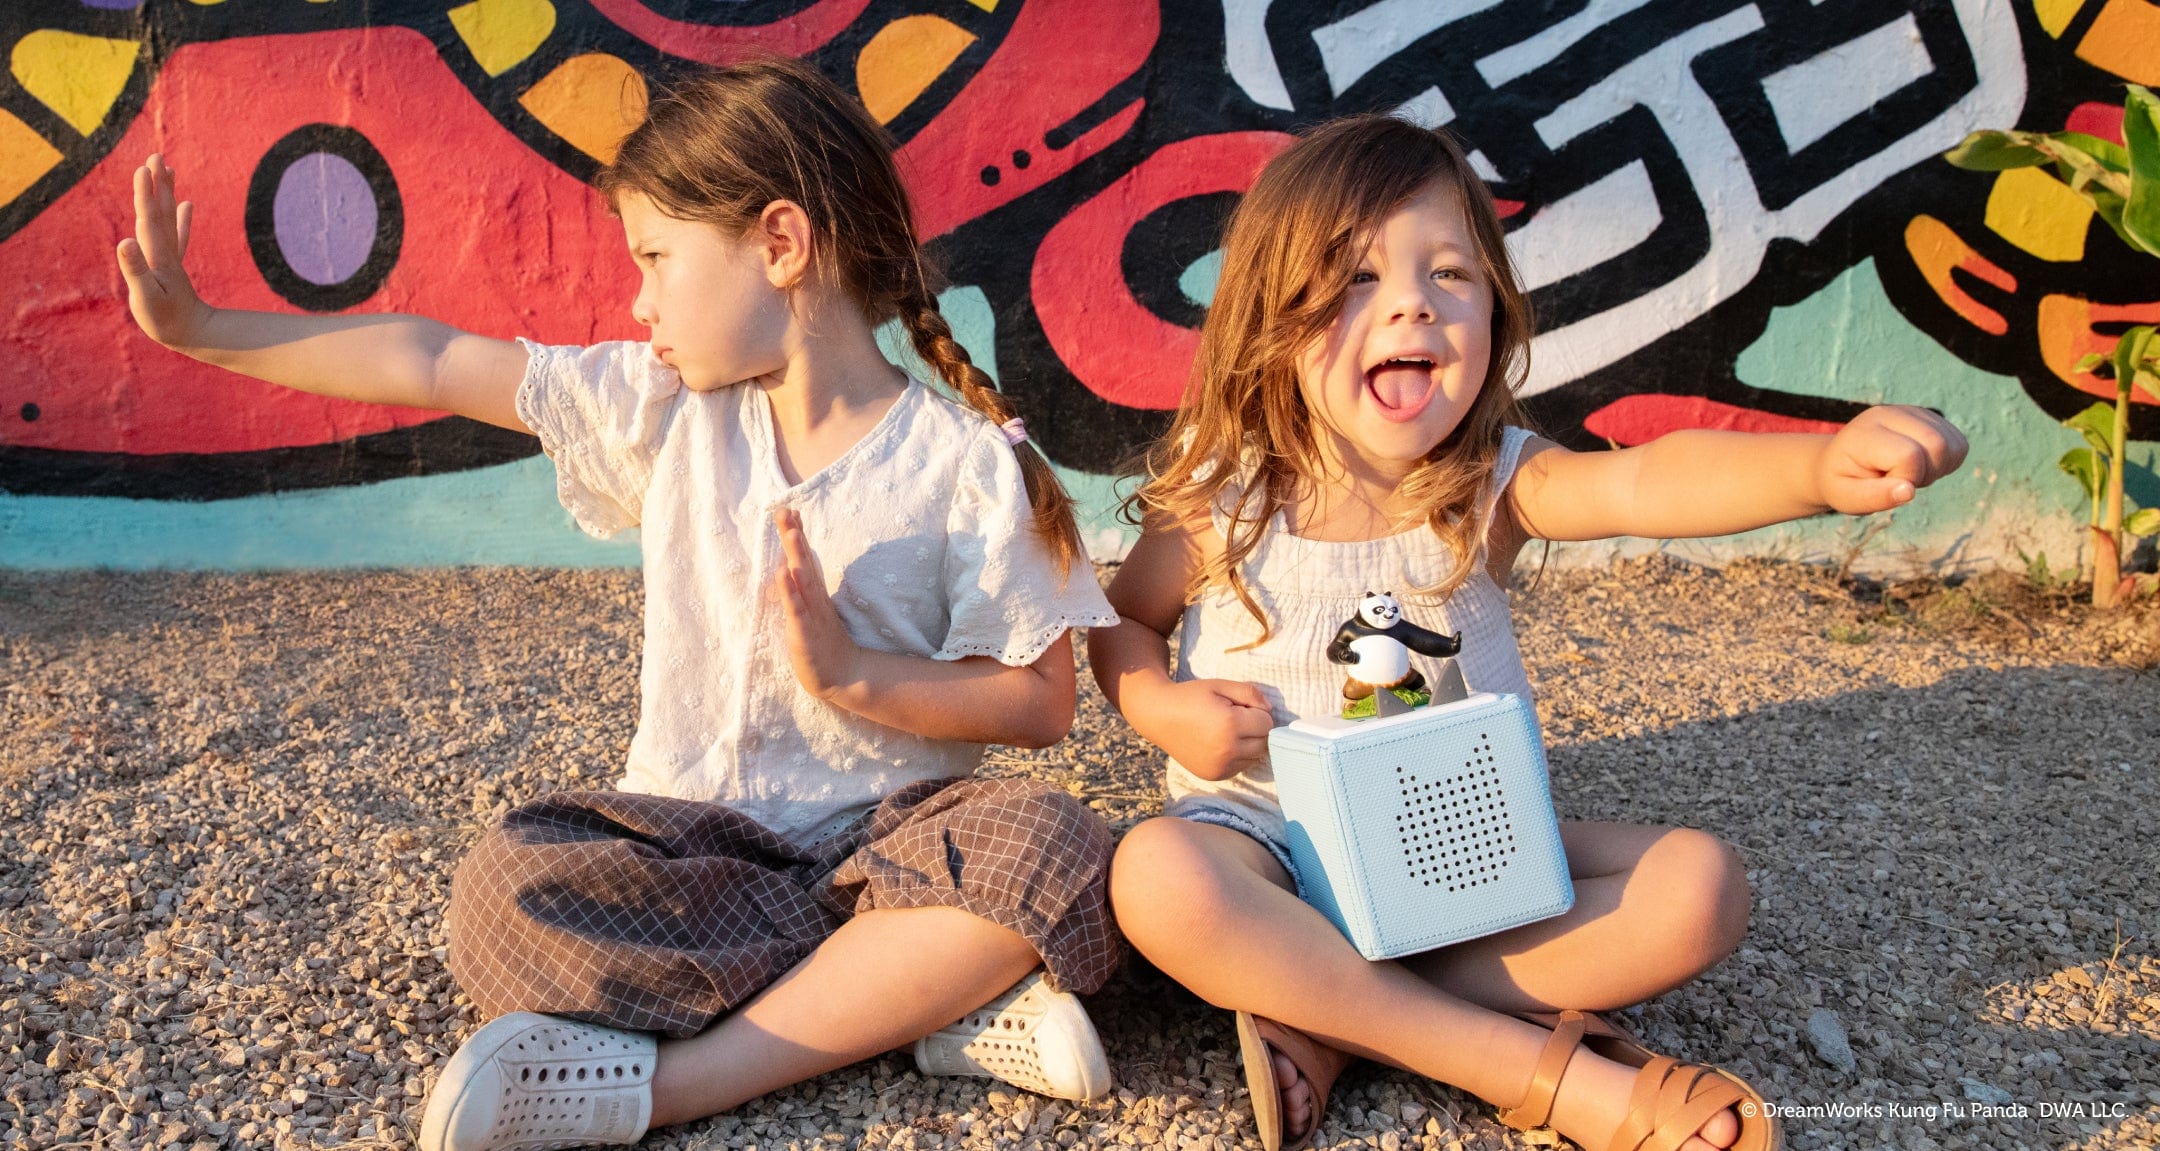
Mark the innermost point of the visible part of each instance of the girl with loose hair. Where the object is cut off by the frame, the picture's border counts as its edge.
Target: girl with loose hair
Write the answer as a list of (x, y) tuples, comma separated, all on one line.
[(1350, 425), (852, 583)]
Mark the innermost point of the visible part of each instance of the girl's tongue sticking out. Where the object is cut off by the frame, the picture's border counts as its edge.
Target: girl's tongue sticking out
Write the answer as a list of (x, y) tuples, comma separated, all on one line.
[(1401, 386)]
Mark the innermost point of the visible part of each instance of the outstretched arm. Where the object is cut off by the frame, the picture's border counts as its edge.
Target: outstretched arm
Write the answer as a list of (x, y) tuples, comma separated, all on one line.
[(1426, 643), (1705, 483), (409, 361)]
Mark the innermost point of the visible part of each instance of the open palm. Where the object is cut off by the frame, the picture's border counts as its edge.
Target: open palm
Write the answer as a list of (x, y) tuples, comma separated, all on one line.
[(159, 294)]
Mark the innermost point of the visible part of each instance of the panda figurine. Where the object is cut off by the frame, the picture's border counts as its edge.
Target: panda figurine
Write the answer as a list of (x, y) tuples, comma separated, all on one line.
[(1376, 644)]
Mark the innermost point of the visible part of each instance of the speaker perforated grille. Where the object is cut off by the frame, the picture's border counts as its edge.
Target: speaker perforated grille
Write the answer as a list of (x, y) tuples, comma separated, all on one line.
[(1454, 825)]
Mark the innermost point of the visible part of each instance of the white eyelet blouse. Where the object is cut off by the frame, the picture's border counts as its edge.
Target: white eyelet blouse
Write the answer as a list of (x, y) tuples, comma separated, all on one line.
[(923, 530)]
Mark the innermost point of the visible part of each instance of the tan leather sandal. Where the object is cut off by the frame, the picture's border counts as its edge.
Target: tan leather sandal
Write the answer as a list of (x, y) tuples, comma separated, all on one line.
[(1671, 1099), (1258, 1039)]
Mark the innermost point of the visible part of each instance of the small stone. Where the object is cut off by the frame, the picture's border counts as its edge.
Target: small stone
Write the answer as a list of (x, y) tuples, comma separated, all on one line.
[(1987, 1093), (1827, 1035)]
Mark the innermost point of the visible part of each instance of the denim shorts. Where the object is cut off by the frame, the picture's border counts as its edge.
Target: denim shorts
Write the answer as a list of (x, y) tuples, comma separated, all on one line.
[(1216, 816)]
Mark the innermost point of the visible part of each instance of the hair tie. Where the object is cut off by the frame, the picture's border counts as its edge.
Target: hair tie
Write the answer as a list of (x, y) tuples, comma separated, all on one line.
[(1015, 431)]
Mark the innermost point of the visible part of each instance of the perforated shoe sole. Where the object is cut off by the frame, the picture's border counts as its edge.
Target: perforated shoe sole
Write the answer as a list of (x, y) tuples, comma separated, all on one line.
[(1031, 1037), (528, 1082)]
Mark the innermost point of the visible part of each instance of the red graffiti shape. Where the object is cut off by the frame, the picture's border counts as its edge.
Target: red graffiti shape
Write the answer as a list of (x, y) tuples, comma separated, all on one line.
[(1117, 347), (798, 35), (1640, 419), (496, 240), (989, 146)]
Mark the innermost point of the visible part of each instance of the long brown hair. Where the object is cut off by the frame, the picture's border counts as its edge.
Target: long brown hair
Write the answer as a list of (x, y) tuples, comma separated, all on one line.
[(723, 144), (1244, 430)]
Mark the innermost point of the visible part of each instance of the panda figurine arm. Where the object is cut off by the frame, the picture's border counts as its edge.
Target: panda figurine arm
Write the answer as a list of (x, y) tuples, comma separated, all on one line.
[(1339, 650), (1421, 641)]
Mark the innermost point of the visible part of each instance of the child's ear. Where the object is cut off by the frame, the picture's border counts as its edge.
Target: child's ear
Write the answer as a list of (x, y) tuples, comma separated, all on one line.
[(784, 230)]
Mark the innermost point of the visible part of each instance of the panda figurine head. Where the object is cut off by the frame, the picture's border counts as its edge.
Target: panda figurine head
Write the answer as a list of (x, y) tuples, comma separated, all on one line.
[(1379, 610)]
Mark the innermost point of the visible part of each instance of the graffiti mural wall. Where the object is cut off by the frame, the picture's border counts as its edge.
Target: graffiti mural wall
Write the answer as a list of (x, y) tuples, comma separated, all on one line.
[(1732, 214)]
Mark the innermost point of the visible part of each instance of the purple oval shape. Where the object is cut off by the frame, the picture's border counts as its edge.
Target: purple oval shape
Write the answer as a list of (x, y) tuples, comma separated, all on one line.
[(326, 217)]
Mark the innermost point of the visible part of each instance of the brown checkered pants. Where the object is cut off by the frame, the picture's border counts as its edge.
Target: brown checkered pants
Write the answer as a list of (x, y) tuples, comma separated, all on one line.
[(657, 914)]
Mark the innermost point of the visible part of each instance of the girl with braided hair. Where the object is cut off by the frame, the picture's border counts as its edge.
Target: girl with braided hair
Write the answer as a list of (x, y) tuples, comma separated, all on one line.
[(852, 583)]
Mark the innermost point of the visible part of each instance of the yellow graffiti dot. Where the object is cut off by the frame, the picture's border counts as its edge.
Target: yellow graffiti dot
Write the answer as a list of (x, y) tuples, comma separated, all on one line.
[(592, 101), (77, 76), (24, 157), (501, 33), (2125, 40), (985, 5), (903, 58), (2040, 214), (2055, 14)]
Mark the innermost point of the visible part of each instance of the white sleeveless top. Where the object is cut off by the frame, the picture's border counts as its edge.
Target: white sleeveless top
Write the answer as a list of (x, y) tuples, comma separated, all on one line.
[(1309, 588)]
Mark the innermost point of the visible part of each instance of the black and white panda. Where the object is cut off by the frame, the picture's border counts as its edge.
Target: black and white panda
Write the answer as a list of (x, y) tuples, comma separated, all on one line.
[(1376, 644)]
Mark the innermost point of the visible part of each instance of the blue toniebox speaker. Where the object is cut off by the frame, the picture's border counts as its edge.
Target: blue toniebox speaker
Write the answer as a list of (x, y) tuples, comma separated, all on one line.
[(1418, 830)]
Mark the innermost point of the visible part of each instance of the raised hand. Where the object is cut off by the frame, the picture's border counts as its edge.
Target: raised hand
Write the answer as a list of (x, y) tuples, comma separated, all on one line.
[(1885, 455), (159, 294), (819, 647)]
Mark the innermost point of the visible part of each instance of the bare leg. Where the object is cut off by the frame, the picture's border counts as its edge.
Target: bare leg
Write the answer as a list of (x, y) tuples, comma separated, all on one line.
[(885, 979), (1211, 909), (1654, 908)]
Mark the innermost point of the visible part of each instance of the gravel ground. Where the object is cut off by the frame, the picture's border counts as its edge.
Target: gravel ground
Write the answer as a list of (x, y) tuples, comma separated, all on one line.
[(230, 806)]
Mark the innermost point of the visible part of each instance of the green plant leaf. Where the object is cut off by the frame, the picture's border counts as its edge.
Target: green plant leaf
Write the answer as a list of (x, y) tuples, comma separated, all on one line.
[(2108, 153), (2097, 425), (2131, 351), (2145, 522), (1992, 151), (2084, 466), (2141, 133)]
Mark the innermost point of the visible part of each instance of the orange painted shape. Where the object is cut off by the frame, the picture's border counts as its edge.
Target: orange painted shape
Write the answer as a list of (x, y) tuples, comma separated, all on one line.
[(2040, 214), (2067, 335), (903, 58), (25, 157), (2125, 40), (592, 101), (1936, 250)]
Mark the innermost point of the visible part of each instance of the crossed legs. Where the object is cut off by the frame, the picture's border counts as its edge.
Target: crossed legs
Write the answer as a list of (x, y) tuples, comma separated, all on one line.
[(883, 980), (1654, 908)]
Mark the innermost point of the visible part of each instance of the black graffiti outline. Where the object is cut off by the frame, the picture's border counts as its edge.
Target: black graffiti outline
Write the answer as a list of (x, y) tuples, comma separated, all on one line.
[(384, 248)]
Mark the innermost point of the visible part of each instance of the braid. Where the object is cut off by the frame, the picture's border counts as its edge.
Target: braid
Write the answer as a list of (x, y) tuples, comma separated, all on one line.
[(934, 342)]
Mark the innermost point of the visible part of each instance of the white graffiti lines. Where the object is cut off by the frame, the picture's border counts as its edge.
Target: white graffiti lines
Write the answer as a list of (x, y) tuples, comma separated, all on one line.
[(1355, 44), (1521, 59), (1662, 82), (1248, 57), (1349, 48)]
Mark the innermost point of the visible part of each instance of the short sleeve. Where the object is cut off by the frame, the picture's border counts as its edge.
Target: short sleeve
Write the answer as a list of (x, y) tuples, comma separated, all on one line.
[(601, 413), (1006, 597)]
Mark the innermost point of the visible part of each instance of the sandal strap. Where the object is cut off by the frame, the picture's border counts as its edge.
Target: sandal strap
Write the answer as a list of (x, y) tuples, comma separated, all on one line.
[(1670, 1103), (1535, 1110)]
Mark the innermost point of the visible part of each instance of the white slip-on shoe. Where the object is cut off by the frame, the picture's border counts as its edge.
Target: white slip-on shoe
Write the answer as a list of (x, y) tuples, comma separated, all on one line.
[(1031, 1037), (528, 1082)]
